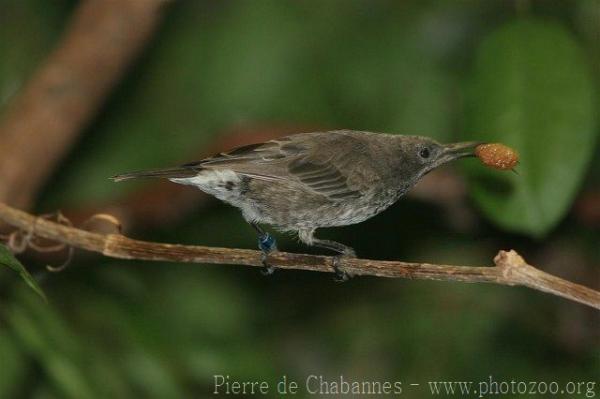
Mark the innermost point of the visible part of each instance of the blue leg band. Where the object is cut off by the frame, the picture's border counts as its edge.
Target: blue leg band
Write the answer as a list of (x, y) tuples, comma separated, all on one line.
[(266, 242)]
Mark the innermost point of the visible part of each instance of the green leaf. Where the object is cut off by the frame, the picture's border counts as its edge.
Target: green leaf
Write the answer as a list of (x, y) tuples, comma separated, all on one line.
[(7, 259), (14, 365), (532, 90), (58, 352)]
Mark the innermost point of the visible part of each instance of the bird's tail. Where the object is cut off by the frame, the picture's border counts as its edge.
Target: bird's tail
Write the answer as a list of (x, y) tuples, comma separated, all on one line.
[(169, 173)]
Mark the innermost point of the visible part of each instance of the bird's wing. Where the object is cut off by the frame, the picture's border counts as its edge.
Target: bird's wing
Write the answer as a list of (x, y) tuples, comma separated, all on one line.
[(318, 161), (250, 160), (328, 178)]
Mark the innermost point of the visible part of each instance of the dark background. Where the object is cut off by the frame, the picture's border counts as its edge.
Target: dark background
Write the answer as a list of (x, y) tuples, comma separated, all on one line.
[(521, 72)]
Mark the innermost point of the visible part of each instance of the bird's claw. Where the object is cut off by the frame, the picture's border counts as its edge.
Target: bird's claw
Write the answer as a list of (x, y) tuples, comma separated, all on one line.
[(340, 275), (266, 269)]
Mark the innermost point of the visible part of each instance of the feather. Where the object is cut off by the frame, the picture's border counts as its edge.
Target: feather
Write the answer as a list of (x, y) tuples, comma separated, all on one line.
[(298, 159), (168, 173)]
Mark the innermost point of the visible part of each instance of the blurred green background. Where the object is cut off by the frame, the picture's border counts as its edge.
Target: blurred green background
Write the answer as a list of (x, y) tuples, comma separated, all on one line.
[(525, 73)]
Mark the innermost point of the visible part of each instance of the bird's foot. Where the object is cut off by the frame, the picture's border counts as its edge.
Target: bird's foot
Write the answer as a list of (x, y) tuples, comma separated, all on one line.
[(266, 269), (267, 244), (340, 274)]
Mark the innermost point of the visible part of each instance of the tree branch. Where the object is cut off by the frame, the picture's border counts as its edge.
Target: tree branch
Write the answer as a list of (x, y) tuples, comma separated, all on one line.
[(43, 121), (509, 269)]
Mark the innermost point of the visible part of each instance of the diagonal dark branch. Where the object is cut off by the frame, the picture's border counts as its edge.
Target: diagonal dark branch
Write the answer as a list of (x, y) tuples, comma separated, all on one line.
[(46, 117), (509, 269)]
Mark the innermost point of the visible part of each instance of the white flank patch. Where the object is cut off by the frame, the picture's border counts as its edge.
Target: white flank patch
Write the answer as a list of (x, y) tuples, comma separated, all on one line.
[(215, 182), (209, 179)]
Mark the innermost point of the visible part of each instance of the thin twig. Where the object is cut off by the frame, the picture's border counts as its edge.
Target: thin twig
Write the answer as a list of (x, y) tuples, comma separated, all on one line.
[(509, 269)]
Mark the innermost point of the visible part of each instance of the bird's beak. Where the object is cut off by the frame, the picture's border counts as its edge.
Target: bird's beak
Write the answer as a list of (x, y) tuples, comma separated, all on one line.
[(459, 150)]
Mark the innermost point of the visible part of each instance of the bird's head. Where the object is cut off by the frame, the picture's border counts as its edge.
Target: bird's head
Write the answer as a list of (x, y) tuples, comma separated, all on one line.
[(420, 155)]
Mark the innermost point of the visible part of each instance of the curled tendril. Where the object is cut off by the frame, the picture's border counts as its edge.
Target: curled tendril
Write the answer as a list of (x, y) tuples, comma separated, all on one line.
[(105, 217), (19, 241), (65, 264), (102, 217)]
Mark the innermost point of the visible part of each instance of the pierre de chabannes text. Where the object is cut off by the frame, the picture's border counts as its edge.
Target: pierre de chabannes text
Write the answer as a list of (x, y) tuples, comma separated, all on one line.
[(340, 385)]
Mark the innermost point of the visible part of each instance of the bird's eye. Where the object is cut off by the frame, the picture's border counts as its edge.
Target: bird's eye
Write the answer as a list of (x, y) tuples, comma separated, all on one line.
[(424, 153)]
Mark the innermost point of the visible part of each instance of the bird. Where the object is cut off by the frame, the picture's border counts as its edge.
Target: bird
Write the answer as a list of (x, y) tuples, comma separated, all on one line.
[(302, 182)]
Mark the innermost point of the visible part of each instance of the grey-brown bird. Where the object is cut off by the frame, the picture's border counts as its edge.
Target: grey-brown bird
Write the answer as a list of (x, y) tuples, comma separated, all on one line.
[(302, 182)]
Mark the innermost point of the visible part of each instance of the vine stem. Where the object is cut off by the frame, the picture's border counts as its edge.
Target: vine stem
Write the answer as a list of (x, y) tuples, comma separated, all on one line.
[(509, 267)]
